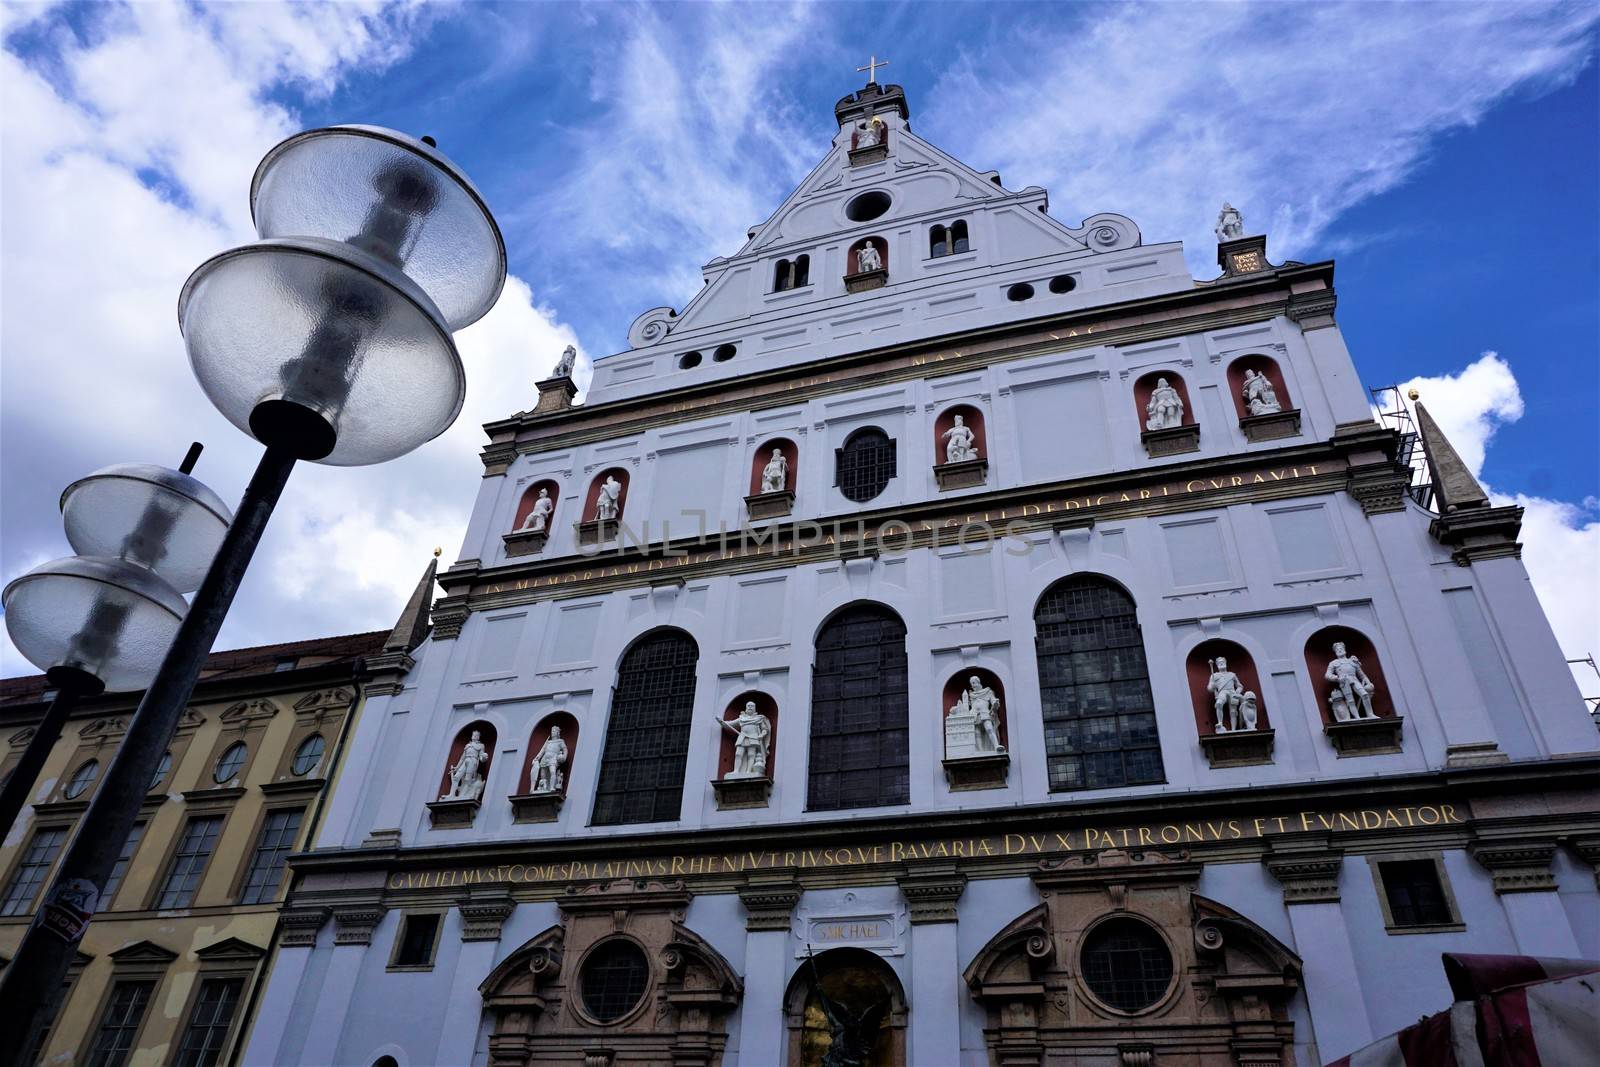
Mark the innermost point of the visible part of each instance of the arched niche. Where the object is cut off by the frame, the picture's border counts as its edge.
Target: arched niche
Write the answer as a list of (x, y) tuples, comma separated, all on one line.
[(745, 792), (1165, 440), (1319, 654), (972, 416), (531, 494), (763, 453), (458, 811), (865, 986), (589, 502), (541, 734), (968, 764), (1199, 671), (1267, 426), (1145, 384), (960, 681), (857, 280)]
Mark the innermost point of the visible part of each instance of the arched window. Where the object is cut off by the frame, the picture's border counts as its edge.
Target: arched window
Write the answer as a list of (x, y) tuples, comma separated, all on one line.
[(791, 274), (958, 237), (1099, 714), (647, 741), (865, 464), (938, 242), (802, 272), (860, 755)]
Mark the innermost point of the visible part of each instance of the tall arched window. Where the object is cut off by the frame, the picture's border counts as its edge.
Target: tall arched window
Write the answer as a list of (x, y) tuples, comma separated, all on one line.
[(791, 274), (938, 242), (860, 755), (1099, 715), (958, 237), (801, 274), (863, 467), (647, 741)]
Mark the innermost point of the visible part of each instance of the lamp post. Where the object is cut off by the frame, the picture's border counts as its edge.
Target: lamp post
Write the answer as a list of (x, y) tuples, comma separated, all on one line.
[(328, 340)]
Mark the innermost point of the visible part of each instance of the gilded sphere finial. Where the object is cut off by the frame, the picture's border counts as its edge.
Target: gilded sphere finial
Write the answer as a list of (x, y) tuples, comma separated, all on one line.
[(437, 552), (1413, 394)]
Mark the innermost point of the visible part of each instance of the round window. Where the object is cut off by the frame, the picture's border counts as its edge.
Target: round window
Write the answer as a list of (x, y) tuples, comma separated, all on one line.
[(1020, 291), (867, 206), (689, 361), (724, 353), (1126, 964), (162, 769), (1063, 283), (81, 779), (308, 756), (614, 979), (231, 763)]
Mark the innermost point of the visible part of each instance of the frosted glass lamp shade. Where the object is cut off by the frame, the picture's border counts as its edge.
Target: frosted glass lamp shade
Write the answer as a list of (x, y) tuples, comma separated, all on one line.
[(393, 196), (161, 519), (98, 614), (318, 346)]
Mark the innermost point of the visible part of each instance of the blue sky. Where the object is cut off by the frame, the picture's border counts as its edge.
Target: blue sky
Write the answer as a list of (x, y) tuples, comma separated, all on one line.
[(1445, 155)]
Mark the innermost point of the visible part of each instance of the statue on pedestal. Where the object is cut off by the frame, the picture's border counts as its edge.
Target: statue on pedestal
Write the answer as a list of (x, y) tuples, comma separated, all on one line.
[(960, 444), (539, 517), (1234, 704), (869, 133), (608, 505), (547, 763), (1351, 697), (1165, 409), (752, 732), (569, 359), (1230, 224), (466, 778), (867, 258), (775, 475), (972, 725), (1259, 396)]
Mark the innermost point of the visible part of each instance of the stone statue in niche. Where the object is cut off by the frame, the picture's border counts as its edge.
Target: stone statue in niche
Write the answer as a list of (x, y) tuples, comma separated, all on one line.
[(1234, 704), (466, 777), (960, 444), (608, 505), (775, 475), (869, 133), (1230, 224), (752, 736), (569, 359), (539, 517), (867, 258), (547, 763), (1351, 696), (1259, 396), (1165, 409), (972, 725)]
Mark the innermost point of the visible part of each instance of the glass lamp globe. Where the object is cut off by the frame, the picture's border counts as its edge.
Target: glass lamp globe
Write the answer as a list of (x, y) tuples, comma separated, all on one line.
[(322, 348), (391, 195), (161, 519), (97, 614)]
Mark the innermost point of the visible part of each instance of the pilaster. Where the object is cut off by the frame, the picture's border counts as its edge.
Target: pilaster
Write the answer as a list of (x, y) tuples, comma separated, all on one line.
[(353, 923), (483, 913), (1309, 875), (933, 892), (770, 904), (1521, 869)]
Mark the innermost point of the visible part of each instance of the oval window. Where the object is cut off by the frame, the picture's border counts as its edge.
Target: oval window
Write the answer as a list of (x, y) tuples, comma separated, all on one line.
[(1126, 964), (81, 779), (162, 769), (308, 756), (867, 206), (1019, 292), (689, 361), (230, 763), (865, 464), (614, 979)]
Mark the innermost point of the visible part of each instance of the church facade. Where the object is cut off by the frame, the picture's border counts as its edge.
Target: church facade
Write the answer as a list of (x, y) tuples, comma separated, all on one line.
[(955, 637)]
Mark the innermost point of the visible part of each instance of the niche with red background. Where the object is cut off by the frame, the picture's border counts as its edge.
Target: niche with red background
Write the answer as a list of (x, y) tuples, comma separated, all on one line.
[(486, 735), (962, 473), (856, 280), (1199, 671), (1282, 423), (1170, 440), (593, 498), (1146, 384), (541, 734), (767, 706), (985, 770), (525, 505), (758, 463), (1319, 653)]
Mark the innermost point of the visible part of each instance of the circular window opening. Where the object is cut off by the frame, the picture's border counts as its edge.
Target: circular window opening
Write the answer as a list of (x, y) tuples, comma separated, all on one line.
[(1019, 292), (614, 979), (689, 361), (724, 353), (867, 206), (308, 756), (231, 763), (81, 779), (161, 769), (1126, 965), (1063, 283)]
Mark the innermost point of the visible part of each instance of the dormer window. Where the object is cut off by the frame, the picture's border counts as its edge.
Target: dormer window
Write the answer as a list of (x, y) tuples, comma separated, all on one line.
[(948, 240), (791, 274)]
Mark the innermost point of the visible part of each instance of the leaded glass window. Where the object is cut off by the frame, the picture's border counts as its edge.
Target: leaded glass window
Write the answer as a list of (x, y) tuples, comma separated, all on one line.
[(866, 463), (860, 755), (308, 756), (81, 779), (615, 977), (277, 840), (1099, 715), (189, 862), (1416, 896), (647, 741), (1126, 964), (230, 763), (209, 1023), (33, 870)]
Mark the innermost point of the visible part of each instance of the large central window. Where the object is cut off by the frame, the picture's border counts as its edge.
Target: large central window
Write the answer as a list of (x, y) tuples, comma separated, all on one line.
[(859, 712), (647, 742), (1099, 715)]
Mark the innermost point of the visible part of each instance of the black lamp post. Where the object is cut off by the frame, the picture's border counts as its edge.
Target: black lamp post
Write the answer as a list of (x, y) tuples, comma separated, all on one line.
[(328, 340)]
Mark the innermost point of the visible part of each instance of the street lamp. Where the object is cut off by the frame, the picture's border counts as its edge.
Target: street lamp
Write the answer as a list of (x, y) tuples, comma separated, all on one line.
[(102, 620), (328, 340)]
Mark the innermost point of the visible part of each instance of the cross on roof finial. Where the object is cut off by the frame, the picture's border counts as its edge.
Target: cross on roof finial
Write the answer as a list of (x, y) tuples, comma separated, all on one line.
[(872, 69)]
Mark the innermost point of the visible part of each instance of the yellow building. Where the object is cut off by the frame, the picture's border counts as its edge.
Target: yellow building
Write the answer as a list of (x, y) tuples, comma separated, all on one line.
[(167, 973)]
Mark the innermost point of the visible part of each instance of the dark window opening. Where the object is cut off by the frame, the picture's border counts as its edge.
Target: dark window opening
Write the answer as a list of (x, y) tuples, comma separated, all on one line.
[(162, 769), (867, 206), (32, 871), (958, 237), (278, 835), (81, 779), (938, 242), (209, 1023), (860, 752), (120, 1023), (308, 756), (865, 465), (1019, 292), (724, 353), (1063, 283), (689, 361), (791, 274), (120, 869), (189, 862), (418, 936), (1416, 896), (1099, 714), (1126, 965), (647, 742), (614, 979), (230, 763)]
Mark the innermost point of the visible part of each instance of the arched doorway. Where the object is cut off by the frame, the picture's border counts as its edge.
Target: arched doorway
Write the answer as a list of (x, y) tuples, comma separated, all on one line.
[(845, 1007)]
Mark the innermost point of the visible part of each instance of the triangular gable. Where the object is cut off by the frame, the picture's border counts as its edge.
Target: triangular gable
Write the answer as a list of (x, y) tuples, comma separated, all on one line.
[(230, 949), (143, 952)]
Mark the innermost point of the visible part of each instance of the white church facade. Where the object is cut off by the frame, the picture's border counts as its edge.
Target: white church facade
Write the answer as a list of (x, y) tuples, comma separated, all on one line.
[(955, 637)]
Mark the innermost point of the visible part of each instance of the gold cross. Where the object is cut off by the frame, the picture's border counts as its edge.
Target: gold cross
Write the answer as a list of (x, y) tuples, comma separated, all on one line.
[(872, 69)]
